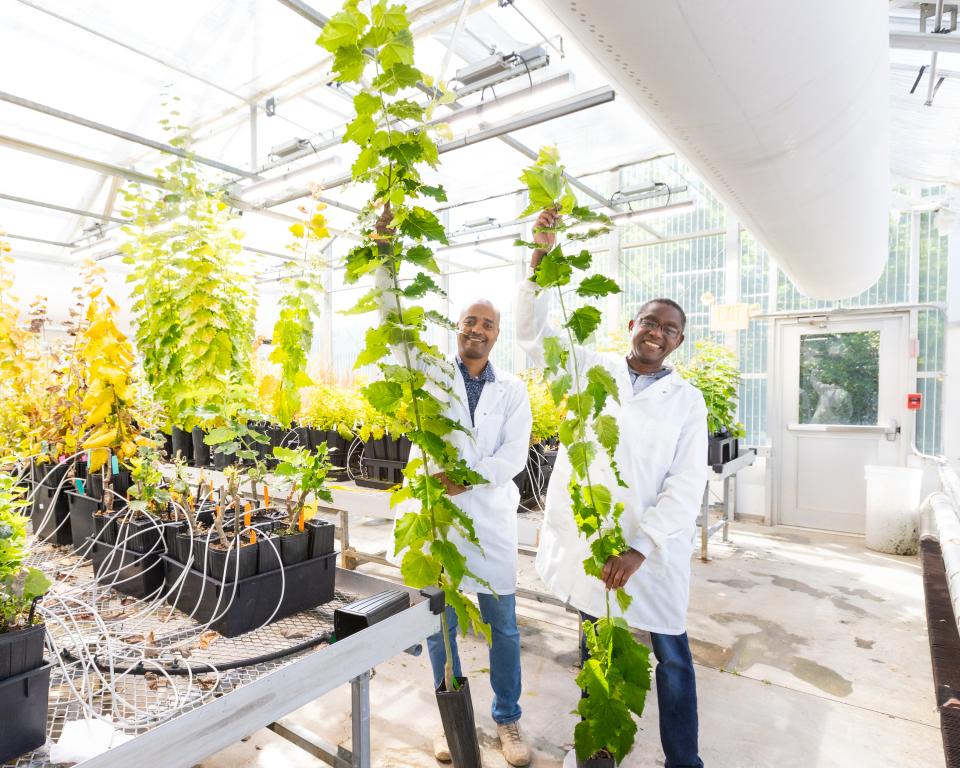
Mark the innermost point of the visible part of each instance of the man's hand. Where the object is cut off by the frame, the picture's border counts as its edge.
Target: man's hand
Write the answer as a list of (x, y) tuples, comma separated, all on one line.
[(545, 240), (619, 568), (451, 487)]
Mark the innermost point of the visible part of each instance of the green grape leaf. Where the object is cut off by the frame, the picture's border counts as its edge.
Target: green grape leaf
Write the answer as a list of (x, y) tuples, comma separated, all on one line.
[(397, 50), (607, 431), (559, 387), (419, 570), (583, 322), (421, 223), (597, 285), (349, 61), (343, 28), (552, 270), (581, 261), (385, 396), (581, 456), (438, 193), (603, 380)]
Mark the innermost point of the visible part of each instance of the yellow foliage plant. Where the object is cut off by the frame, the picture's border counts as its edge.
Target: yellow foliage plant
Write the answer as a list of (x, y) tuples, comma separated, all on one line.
[(109, 402)]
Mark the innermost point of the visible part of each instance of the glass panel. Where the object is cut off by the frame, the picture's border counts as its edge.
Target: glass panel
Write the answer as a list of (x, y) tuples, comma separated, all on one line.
[(839, 378)]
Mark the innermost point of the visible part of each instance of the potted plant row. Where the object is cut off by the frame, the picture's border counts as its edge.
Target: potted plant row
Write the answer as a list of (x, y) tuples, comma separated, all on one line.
[(24, 678), (542, 455), (243, 567)]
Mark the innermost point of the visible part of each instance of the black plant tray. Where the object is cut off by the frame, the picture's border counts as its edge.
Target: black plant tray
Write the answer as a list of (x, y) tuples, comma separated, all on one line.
[(132, 573), (720, 450), (21, 650), (23, 712), (244, 605), (337, 447), (56, 529), (81, 508), (383, 462)]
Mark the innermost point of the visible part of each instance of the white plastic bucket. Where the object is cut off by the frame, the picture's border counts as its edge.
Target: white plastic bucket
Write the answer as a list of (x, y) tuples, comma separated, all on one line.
[(893, 501)]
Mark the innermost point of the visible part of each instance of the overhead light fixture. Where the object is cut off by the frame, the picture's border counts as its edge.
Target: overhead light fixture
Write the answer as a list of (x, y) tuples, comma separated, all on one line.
[(96, 248), (289, 148), (476, 243), (486, 221), (496, 109), (264, 190), (498, 68)]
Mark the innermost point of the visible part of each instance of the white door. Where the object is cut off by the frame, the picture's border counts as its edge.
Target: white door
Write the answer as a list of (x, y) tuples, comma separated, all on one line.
[(842, 391)]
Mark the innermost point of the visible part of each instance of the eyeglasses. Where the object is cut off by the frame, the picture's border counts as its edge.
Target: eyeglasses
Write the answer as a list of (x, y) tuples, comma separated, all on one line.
[(670, 331)]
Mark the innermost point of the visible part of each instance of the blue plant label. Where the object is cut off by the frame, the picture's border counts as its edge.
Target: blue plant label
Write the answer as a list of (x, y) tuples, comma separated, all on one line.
[(88, 458), (79, 483), (115, 465)]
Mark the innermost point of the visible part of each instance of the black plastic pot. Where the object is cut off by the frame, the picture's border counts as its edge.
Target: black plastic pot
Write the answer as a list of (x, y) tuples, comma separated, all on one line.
[(532, 480), (721, 449), (81, 509), (119, 485), (183, 546), (294, 547), (321, 537), (459, 725), (170, 531), (246, 604), (182, 443), (383, 462), (21, 650), (51, 516), (142, 534), (168, 446), (201, 451), (51, 475), (597, 762), (23, 712), (222, 460), (105, 528), (132, 573), (231, 564), (268, 558)]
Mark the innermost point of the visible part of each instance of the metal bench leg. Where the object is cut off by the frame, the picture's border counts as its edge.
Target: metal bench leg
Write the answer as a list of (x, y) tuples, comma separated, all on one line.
[(360, 694), (705, 523)]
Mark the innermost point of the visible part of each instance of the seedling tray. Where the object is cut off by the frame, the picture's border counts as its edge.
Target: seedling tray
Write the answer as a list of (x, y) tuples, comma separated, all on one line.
[(234, 608)]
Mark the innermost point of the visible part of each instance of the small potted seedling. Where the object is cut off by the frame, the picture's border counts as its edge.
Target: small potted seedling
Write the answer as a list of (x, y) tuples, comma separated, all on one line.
[(307, 471), (229, 555)]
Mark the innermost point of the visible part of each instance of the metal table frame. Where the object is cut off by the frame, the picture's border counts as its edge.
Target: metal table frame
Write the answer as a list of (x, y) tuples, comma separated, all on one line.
[(728, 473), (198, 733)]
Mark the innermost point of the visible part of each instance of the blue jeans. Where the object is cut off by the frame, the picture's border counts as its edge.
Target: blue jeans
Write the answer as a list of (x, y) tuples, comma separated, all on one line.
[(501, 614), (676, 697)]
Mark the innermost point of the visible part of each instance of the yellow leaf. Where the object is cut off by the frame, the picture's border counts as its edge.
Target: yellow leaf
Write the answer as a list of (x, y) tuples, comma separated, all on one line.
[(127, 449), (297, 229), (99, 413), (102, 439), (94, 292), (98, 457), (310, 510)]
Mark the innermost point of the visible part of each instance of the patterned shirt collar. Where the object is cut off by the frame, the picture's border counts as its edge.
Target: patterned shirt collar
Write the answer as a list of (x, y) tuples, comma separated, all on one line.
[(487, 374)]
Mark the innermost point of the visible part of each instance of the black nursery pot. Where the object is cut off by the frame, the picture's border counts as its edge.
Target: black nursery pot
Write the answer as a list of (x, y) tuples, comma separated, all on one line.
[(201, 451), (459, 725), (321, 537), (142, 534), (222, 564), (105, 528), (294, 547), (597, 762), (21, 650), (182, 443), (268, 558), (119, 484), (50, 515), (82, 509)]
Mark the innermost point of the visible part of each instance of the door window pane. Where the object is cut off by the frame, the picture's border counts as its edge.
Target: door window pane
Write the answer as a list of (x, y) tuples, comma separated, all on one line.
[(839, 378)]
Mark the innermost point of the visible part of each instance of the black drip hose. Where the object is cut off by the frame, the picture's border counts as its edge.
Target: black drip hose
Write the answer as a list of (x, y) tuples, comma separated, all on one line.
[(140, 669)]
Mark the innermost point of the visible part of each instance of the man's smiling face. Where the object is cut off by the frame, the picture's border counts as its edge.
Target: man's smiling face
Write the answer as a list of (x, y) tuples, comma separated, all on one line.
[(479, 328), (656, 331)]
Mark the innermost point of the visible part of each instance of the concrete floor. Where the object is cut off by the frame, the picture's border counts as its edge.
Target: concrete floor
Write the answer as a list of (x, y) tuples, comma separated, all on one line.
[(810, 650)]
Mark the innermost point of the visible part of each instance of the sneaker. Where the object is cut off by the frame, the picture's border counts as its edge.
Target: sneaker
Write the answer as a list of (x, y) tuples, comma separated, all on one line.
[(515, 750), (440, 749)]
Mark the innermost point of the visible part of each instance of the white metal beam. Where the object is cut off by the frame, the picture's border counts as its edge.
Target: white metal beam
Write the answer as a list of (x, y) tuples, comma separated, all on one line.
[(922, 41)]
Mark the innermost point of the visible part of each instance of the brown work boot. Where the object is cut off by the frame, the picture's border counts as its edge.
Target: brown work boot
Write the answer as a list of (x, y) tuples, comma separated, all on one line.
[(515, 750), (440, 749)]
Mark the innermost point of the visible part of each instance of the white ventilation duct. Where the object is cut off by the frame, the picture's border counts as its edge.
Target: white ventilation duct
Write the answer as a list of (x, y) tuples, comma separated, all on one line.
[(782, 107)]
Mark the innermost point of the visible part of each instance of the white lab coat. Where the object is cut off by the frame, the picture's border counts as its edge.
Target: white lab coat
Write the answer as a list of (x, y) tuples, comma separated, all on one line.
[(496, 447), (662, 457)]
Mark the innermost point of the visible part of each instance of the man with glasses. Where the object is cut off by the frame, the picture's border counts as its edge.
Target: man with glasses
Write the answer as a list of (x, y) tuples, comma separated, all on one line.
[(662, 456)]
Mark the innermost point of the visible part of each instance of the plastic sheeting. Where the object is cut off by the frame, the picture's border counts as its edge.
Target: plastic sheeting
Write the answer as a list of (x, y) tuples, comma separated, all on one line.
[(782, 107)]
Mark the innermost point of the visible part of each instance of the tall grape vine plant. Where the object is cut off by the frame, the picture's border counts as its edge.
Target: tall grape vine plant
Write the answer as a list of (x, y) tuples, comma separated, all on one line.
[(193, 300), (617, 675), (372, 49)]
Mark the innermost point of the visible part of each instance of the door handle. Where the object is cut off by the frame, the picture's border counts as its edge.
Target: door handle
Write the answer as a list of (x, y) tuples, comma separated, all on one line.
[(893, 431)]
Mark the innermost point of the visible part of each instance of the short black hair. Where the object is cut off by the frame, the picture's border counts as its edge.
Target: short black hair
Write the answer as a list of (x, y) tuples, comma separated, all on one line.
[(669, 303)]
